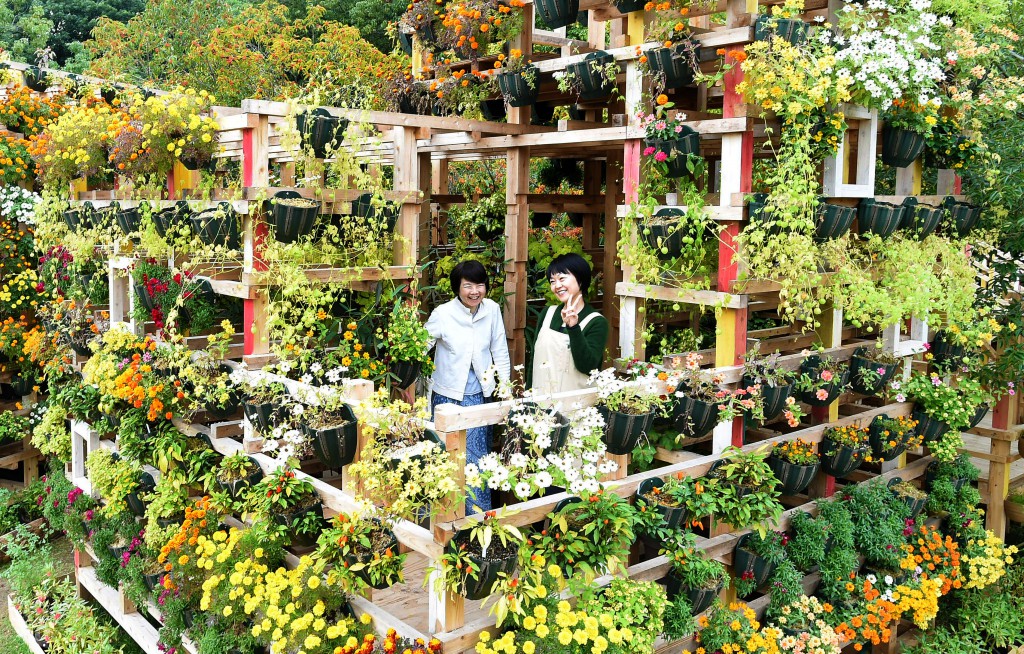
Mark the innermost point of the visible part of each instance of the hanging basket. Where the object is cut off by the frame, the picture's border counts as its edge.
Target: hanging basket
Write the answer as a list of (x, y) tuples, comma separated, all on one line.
[(516, 87), (134, 499), (858, 363), (292, 215), (900, 147), (489, 569), (672, 64), (832, 221), (979, 415), (128, 220), (629, 6), (810, 365), (774, 397), (964, 215), (674, 516), (623, 431), (700, 598), (236, 488), (22, 384), (920, 220), (493, 110), (662, 235), (843, 459), (287, 518), (264, 415), (169, 218), (35, 79), (793, 30), (557, 13), (590, 72), (364, 208), (744, 560), (931, 474), (218, 227), (353, 559), (694, 418), (880, 443), (678, 150), (881, 218), (319, 129), (793, 479), (915, 504), (404, 372), (335, 446), (945, 352), (930, 429)]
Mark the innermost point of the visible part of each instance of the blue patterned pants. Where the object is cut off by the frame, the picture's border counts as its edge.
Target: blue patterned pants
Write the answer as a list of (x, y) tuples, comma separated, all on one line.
[(478, 443)]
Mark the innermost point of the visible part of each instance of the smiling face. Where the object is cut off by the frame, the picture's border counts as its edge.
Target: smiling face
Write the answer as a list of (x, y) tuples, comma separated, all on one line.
[(471, 294), (564, 286)]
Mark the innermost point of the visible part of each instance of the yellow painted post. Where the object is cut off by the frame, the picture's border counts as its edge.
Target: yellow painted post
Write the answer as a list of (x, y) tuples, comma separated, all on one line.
[(725, 340), (830, 334), (184, 179), (635, 23)]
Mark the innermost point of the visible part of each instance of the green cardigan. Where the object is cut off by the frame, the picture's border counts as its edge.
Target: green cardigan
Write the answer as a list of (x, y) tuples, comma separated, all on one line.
[(587, 345)]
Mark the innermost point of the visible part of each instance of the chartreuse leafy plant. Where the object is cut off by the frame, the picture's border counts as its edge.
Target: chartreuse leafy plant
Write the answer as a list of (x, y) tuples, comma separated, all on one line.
[(589, 536)]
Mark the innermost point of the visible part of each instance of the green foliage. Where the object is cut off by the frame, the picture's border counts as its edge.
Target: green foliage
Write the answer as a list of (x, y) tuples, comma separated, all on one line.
[(807, 546)]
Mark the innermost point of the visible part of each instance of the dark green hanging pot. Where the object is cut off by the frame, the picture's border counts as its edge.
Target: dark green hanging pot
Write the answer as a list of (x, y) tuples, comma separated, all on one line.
[(793, 30), (672, 64), (143, 296), (263, 415), (557, 13), (590, 73), (931, 475), (287, 519), (692, 417), (519, 89), (22, 384), (686, 143), (662, 235), (35, 79), (916, 505), (964, 215), (236, 487), (128, 220), (319, 129), (840, 460), (881, 218), (810, 365), (218, 227), (930, 429), (774, 397), (674, 516), (858, 363), (979, 415), (793, 479), (744, 560), (134, 499), (352, 559), (629, 6), (493, 110), (921, 220), (169, 218), (700, 598), (335, 446), (489, 570), (880, 443), (404, 372), (900, 147), (623, 431), (292, 215), (943, 351), (364, 208), (832, 221)]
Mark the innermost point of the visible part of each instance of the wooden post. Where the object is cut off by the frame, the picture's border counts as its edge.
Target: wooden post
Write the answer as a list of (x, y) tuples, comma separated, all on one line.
[(407, 180), (255, 173), (448, 613), (908, 180), (612, 308), (1005, 415)]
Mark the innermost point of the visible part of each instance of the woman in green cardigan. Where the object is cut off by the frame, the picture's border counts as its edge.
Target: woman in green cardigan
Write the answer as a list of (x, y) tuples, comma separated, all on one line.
[(571, 337)]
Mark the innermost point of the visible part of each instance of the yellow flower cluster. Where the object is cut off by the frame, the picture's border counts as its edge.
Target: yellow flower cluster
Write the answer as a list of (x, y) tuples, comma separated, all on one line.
[(584, 632), (921, 604), (985, 560)]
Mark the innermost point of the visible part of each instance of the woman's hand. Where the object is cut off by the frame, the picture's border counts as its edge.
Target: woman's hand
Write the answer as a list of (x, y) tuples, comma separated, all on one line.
[(571, 311)]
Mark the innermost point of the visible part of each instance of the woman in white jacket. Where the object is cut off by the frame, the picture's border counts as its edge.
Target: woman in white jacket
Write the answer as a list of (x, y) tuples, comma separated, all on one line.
[(470, 337)]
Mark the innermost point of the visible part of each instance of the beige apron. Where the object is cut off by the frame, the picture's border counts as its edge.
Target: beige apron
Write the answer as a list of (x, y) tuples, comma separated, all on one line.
[(553, 368)]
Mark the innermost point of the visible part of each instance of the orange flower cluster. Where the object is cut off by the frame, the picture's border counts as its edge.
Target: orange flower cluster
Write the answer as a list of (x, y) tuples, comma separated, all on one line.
[(874, 626), (390, 645), (938, 557), (140, 387), (194, 524), (28, 113), (469, 26)]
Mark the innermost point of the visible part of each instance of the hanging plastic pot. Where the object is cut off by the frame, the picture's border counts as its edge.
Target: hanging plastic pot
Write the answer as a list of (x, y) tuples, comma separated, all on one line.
[(292, 215), (493, 110), (678, 150), (700, 598), (840, 460), (559, 434), (288, 518), (489, 569), (920, 219), (35, 79), (774, 397), (623, 431), (692, 417), (880, 448), (900, 147), (128, 220), (319, 129), (557, 13), (881, 218), (945, 352), (674, 516), (218, 227), (743, 560), (519, 89), (930, 429), (672, 64), (590, 72), (404, 372), (793, 30), (793, 479), (832, 221), (663, 235), (964, 215), (169, 218), (629, 6), (334, 446), (859, 363)]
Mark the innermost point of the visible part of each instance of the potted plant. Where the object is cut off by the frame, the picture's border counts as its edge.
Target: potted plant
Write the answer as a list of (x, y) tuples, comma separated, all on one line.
[(118, 481), (320, 131), (365, 548), (476, 557), (236, 473), (263, 402), (783, 22), (914, 497), (755, 558), (805, 626), (963, 216), (810, 541), (292, 215), (674, 64), (890, 437), (843, 449), (330, 426), (592, 78), (960, 472), (795, 464), (947, 348), (881, 218), (921, 220), (673, 146), (939, 407), (218, 227), (871, 369), (776, 385), (745, 493), (590, 535), (907, 126), (531, 428), (627, 407), (407, 343), (668, 497), (832, 220), (167, 220), (558, 13), (517, 78), (292, 504), (693, 575), (822, 380), (696, 399)]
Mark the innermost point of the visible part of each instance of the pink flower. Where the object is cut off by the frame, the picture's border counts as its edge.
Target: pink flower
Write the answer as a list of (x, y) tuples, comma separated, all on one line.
[(660, 125), (881, 371), (826, 375), (661, 156), (649, 150), (822, 394), (927, 346), (679, 128)]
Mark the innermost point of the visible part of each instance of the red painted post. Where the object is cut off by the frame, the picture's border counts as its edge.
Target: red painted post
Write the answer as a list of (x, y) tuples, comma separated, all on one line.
[(259, 228)]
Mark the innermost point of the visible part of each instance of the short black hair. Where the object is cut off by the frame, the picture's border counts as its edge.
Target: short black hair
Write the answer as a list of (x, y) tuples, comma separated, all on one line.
[(572, 264), (469, 270)]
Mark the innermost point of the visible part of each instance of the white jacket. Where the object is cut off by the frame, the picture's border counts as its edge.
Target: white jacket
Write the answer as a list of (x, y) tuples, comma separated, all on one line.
[(465, 340)]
